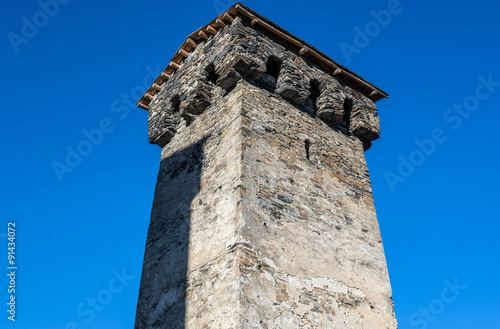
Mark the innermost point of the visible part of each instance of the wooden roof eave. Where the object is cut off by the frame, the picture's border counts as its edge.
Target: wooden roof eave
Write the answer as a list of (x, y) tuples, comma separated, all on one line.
[(212, 28)]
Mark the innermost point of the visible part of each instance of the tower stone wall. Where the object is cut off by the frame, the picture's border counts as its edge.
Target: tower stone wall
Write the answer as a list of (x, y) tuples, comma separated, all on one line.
[(263, 212)]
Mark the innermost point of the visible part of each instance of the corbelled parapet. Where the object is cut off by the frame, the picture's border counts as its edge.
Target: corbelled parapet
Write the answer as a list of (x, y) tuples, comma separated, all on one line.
[(237, 45)]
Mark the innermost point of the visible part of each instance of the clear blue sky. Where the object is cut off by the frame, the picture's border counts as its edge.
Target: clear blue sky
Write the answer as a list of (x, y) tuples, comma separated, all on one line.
[(437, 209)]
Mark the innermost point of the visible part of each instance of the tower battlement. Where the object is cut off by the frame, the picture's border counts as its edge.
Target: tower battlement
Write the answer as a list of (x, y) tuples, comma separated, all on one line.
[(240, 49)]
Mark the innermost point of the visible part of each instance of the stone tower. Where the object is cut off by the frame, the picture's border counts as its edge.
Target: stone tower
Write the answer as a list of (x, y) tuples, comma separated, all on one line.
[(263, 213)]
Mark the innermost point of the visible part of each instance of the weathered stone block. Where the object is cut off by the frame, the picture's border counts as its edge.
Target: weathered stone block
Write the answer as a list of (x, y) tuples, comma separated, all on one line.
[(331, 102), (162, 124), (365, 122), (246, 64), (195, 101), (292, 84), (228, 78)]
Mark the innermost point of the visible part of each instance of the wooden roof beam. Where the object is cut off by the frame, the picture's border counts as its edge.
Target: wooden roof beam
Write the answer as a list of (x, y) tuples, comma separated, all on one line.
[(174, 65), (156, 86), (191, 42), (183, 53), (142, 105), (211, 29), (303, 50), (227, 17), (220, 22), (203, 35)]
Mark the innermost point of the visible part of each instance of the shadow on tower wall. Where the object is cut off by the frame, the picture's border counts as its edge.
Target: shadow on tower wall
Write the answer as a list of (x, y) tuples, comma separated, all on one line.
[(162, 291)]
